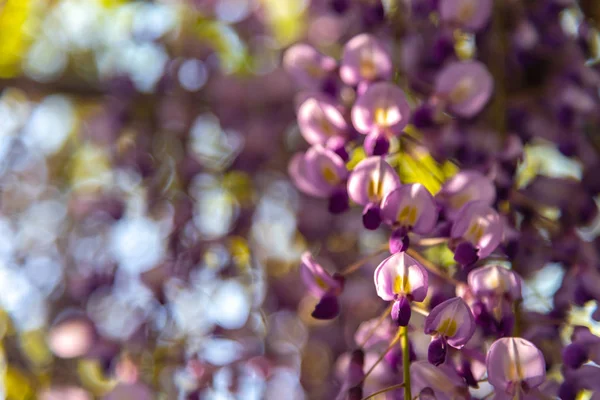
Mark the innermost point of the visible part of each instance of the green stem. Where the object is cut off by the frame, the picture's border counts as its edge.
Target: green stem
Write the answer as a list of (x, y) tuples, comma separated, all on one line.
[(405, 361)]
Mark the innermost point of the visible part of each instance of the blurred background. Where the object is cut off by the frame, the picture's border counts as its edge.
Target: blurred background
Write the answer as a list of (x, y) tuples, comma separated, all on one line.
[(149, 235)]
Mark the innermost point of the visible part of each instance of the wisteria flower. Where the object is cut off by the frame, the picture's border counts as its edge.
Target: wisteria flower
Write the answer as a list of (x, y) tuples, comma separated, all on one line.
[(408, 208), (465, 186), (321, 172), (319, 119), (584, 346), (515, 366), (451, 323), (495, 289), (479, 230), (472, 15), (307, 66), (382, 106), (365, 59), (402, 279), (322, 285), (465, 86), (370, 181), (495, 281), (445, 383)]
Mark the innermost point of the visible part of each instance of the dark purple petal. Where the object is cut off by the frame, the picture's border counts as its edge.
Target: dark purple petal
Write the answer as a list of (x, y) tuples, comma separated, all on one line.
[(401, 311), (327, 308), (436, 352)]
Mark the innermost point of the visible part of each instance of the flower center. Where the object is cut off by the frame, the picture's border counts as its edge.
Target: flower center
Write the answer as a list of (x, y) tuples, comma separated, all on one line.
[(314, 71), (401, 285), (462, 91), (374, 189), (321, 283), (448, 327), (475, 232), (329, 175), (367, 68), (408, 216)]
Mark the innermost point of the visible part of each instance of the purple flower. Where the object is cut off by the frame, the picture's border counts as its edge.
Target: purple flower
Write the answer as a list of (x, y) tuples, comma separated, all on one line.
[(515, 366), (584, 346), (480, 230), (318, 172), (472, 15), (451, 320), (466, 86), (383, 105), (495, 281), (402, 279), (365, 59), (411, 207), (445, 383), (320, 119), (371, 180), (320, 284), (317, 280), (307, 66), (465, 186)]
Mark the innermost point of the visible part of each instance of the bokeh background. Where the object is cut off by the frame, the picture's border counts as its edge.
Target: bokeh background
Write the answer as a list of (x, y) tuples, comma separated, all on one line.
[(149, 234)]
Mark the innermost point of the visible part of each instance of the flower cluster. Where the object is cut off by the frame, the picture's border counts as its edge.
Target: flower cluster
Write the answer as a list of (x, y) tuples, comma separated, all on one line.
[(430, 121)]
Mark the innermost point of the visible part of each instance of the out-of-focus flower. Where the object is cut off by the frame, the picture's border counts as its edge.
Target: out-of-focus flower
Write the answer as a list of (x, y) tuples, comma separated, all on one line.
[(515, 366), (445, 383), (318, 172), (319, 119), (471, 15), (321, 285), (465, 87), (365, 59), (382, 106), (307, 66), (478, 229), (465, 186)]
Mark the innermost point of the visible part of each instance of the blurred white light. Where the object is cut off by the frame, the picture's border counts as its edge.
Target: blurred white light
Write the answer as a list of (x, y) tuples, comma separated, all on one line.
[(115, 314), (144, 62), (20, 299), (44, 272), (232, 10), (221, 351), (192, 74), (544, 283), (79, 22), (216, 211), (189, 308), (7, 244), (50, 124), (41, 224), (151, 21), (211, 145), (230, 305), (45, 60), (137, 244)]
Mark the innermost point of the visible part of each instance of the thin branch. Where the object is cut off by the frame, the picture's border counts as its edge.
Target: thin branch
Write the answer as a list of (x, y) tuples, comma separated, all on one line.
[(358, 264), (384, 390), (382, 318)]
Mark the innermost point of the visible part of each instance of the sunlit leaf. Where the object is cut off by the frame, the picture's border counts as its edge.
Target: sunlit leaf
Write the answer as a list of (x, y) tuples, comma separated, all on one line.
[(14, 40)]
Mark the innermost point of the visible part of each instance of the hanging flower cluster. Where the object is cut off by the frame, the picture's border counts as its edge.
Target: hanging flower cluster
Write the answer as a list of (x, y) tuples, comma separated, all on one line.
[(463, 91)]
